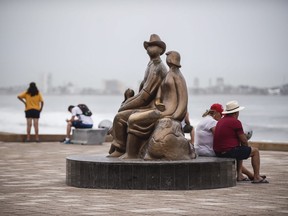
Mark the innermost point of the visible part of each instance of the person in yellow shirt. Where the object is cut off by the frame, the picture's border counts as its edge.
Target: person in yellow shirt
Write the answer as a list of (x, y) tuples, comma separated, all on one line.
[(34, 103)]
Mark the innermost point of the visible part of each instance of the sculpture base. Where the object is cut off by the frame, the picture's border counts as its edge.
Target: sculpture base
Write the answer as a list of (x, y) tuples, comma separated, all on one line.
[(89, 171)]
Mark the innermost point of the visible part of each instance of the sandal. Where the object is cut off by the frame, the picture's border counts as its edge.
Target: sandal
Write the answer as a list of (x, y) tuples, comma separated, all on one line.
[(243, 180), (261, 181), (262, 176)]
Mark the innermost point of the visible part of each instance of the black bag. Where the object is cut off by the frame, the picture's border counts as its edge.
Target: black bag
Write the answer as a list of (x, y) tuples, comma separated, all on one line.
[(85, 110), (187, 128)]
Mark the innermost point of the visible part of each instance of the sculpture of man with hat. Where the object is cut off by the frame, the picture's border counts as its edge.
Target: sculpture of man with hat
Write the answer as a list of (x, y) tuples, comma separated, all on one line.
[(145, 99)]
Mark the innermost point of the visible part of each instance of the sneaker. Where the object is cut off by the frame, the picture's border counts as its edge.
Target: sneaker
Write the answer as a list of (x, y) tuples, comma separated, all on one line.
[(67, 142)]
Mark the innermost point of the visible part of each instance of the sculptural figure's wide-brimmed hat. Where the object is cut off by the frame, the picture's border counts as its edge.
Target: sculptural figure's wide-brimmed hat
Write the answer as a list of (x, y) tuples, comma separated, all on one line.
[(232, 107), (155, 41)]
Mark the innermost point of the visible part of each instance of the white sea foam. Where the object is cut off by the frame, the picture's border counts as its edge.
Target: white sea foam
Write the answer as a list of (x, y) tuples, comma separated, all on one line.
[(266, 115)]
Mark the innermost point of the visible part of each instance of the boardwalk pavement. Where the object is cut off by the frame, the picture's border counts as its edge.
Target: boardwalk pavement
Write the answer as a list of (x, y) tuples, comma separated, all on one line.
[(32, 182)]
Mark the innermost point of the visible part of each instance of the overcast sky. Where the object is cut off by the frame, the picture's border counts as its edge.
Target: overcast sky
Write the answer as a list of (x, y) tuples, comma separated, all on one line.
[(89, 41)]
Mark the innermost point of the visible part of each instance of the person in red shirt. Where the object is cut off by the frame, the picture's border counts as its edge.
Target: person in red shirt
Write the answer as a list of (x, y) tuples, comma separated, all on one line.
[(230, 141)]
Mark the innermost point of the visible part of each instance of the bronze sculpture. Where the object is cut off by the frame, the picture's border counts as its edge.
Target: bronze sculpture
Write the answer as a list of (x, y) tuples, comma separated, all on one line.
[(148, 125), (154, 74), (167, 140)]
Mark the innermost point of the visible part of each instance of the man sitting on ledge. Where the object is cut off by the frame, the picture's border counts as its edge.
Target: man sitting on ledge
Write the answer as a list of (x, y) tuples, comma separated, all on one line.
[(77, 120), (230, 141)]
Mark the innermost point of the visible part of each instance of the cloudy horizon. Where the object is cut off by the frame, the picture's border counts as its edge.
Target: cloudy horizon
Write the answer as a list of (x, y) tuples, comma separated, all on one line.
[(86, 42)]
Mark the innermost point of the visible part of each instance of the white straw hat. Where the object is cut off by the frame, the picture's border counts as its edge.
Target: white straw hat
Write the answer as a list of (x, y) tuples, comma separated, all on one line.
[(232, 107)]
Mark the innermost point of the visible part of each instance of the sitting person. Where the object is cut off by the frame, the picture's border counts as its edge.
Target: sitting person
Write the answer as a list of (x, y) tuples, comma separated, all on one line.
[(205, 130), (77, 120), (188, 128), (230, 141), (205, 133)]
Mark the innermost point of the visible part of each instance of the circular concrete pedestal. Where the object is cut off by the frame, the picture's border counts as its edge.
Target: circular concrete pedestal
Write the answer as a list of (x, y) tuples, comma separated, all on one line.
[(87, 171)]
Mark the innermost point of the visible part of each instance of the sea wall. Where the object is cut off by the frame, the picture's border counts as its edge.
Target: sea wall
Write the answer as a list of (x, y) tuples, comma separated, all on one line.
[(13, 137)]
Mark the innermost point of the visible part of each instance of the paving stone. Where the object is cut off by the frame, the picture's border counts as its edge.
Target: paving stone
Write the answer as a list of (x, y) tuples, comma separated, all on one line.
[(33, 182)]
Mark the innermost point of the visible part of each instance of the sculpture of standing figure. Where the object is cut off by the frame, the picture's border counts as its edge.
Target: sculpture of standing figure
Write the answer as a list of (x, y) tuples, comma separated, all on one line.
[(144, 100)]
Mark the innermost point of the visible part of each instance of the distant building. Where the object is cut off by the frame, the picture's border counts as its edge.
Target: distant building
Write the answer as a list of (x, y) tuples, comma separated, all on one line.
[(274, 91), (220, 81), (284, 89), (196, 83), (220, 86), (47, 83), (113, 87), (210, 82)]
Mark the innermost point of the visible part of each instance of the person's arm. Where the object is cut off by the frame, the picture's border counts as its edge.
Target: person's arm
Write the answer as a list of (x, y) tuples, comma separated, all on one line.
[(21, 99), (187, 121), (243, 139), (71, 119), (213, 130), (73, 115), (41, 102), (192, 136), (241, 135), (41, 105)]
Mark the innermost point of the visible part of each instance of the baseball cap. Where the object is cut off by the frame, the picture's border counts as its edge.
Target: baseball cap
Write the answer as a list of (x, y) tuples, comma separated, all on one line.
[(217, 107)]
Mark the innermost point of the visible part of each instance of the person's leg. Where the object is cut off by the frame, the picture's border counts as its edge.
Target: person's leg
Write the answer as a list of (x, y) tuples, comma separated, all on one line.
[(239, 170), (192, 135), (249, 174), (68, 130), (255, 161), (28, 129), (240, 153), (36, 128)]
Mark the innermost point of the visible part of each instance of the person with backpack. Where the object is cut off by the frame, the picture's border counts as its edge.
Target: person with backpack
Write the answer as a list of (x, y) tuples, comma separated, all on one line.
[(81, 118)]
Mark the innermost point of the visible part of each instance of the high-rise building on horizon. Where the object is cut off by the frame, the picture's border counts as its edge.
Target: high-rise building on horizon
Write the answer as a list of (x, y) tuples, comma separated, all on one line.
[(220, 81), (196, 82), (47, 82)]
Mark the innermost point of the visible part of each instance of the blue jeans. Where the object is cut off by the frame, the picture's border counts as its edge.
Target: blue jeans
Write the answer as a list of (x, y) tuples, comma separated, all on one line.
[(79, 124)]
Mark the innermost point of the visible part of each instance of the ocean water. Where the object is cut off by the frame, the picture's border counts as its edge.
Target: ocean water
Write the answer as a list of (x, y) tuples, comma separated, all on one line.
[(267, 116)]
